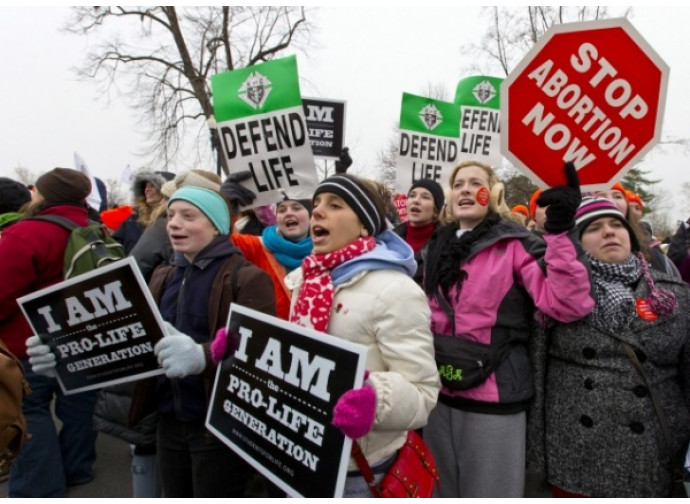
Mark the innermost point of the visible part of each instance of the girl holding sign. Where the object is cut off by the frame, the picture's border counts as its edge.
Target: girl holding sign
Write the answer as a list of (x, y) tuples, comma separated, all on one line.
[(484, 277), (194, 295), (357, 285)]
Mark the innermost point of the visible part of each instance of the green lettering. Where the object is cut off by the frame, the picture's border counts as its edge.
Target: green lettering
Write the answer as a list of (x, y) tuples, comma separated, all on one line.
[(449, 373)]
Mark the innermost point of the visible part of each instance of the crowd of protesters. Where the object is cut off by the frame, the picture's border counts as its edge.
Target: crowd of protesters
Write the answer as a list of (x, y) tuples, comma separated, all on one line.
[(552, 338)]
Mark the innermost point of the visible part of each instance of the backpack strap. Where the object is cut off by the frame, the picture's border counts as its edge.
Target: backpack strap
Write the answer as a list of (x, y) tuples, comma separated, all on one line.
[(69, 225)]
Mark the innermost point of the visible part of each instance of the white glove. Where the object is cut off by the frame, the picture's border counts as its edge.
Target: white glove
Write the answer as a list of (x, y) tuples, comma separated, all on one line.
[(178, 354), (41, 358)]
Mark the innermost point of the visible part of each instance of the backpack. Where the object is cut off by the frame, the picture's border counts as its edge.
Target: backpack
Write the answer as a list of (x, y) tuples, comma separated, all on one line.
[(88, 247), (13, 388)]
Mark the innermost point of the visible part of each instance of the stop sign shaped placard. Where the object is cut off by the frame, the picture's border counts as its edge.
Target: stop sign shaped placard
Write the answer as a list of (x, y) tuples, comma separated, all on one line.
[(592, 93)]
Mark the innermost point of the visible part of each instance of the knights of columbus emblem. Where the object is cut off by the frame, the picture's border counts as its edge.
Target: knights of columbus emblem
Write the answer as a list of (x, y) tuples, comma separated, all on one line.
[(255, 90), (430, 116), (484, 92)]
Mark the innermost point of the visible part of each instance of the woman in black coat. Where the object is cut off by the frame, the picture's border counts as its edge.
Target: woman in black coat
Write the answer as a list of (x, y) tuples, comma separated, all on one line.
[(593, 428)]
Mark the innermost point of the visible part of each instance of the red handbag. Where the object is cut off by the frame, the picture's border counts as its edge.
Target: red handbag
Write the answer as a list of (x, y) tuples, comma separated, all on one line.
[(413, 474)]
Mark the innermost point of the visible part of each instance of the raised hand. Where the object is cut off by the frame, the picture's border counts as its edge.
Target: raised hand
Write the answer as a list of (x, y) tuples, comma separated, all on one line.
[(561, 202)]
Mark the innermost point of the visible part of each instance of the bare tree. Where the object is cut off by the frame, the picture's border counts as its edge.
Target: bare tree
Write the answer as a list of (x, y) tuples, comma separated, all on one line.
[(117, 195), (388, 156), (25, 175), (162, 59), (660, 217), (511, 32)]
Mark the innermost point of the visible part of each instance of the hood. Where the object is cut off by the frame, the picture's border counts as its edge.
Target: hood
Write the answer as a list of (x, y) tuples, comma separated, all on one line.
[(391, 252), (157, 179)]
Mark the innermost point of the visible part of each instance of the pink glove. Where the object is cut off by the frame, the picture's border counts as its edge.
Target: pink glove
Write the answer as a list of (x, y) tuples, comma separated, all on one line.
[(355, 411), (219, 345)]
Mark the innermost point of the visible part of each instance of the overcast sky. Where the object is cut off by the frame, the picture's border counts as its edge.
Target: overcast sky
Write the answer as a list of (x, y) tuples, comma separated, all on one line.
[(367, 55)]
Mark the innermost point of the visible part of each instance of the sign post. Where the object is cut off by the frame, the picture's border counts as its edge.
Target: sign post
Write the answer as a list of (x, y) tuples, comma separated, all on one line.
[(592, 93)]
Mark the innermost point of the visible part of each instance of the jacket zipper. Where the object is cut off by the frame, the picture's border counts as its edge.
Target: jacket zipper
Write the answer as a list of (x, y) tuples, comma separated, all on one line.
[(175, 384)]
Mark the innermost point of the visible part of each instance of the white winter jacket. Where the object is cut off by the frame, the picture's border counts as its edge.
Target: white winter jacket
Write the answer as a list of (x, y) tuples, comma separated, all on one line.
[(386, 311)]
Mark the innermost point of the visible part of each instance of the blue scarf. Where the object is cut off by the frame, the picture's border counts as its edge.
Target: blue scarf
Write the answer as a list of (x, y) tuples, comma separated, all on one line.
[(289, 254)]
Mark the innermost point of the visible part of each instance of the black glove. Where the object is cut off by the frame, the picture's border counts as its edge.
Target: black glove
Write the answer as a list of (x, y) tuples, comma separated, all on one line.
[(345, 161), (235, 192), (562, 202)]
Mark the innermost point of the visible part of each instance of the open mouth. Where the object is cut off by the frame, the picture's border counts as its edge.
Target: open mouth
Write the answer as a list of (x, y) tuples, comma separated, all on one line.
[(291, 224), (465, 203), (415, 210), (319, 232)]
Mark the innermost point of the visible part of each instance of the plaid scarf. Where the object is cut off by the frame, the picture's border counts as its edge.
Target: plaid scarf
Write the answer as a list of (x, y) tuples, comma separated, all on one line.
[(614, 289), (315, 297)]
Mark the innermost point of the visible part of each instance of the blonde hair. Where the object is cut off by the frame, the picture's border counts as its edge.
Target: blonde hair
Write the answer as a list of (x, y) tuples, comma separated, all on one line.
[(445, 216), (497, 202)]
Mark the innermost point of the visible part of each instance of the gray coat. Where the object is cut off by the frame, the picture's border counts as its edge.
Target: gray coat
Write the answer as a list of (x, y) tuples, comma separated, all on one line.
[(592, 427), (153, 248)]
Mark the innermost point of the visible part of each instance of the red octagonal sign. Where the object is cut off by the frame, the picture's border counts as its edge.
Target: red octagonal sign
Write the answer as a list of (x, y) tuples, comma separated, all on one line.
[(592, 93)]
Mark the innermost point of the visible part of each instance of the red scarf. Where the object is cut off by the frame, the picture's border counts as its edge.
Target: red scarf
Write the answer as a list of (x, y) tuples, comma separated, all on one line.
[(315, 298), (417, 237)]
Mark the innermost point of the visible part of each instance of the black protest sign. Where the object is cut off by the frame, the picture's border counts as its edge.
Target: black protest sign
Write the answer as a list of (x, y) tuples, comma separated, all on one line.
[(101, 326), (326, 126), (273, 402)]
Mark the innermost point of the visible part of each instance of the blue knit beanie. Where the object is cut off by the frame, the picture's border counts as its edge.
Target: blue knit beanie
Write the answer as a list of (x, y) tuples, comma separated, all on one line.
[(210, 203)]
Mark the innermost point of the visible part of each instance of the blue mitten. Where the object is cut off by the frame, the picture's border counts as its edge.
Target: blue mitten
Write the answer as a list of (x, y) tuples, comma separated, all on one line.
[(179, 355), (41, 358)]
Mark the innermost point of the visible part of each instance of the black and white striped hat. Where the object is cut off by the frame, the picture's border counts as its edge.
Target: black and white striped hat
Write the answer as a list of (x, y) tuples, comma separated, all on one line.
[(357, 197)]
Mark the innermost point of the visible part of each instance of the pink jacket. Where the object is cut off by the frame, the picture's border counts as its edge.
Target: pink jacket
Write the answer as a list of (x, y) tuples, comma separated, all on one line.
[(508, 274)]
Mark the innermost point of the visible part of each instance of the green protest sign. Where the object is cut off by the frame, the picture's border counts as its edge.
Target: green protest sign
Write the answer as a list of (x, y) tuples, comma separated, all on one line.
[(479, 100), (429, 131), (262, 129)]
